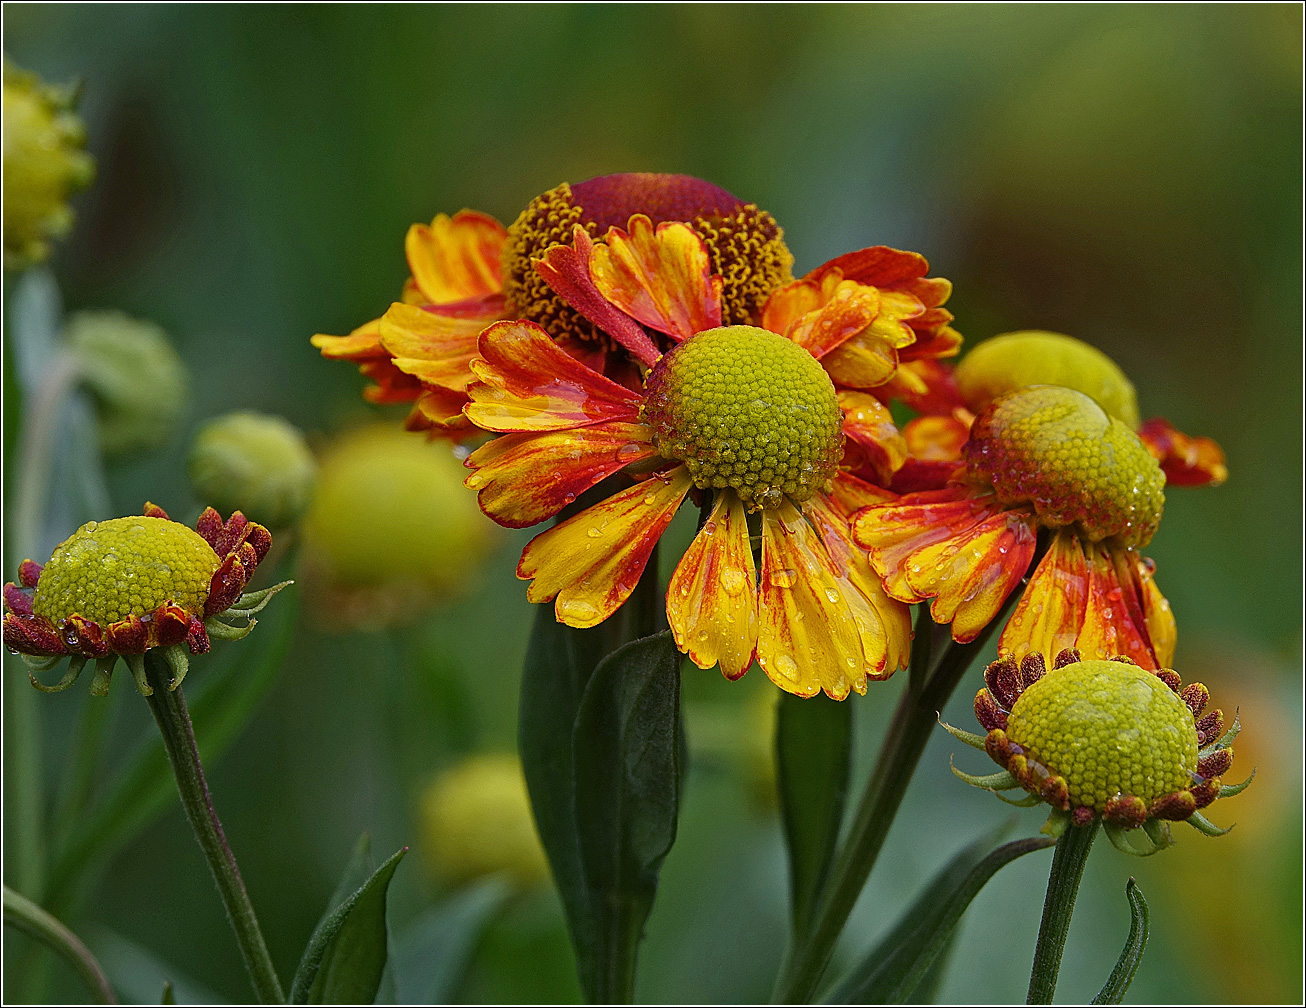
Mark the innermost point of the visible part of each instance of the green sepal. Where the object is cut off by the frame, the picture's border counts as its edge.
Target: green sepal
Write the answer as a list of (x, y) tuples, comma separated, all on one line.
[(1055, 824), (42, 663), (1229, 790), (1158, 832), (1225, 740), (178, 659), (221, 631), (1113, 992), (1200, 823), (345, 957), (813, 754), (251, 602), (1029, 801), (136, 663), (1119, 838), (75, 666), (103, 670), (970, 738), (892, 972), (1000, 781)]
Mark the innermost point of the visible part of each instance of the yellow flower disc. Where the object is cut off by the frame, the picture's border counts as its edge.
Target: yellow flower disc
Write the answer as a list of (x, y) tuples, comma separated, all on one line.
[(1033, 357), (1109, 728), (747, 409), (1056, 448), (109, 570)]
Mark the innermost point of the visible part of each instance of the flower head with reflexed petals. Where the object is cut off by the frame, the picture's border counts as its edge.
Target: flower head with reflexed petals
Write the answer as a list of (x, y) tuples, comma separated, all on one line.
[(469, 271), (117, 588), (1041, 457), (1103, 739), (744, 418)]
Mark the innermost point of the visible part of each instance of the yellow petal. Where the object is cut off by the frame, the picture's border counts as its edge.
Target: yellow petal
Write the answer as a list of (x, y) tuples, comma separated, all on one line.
[(456, 258)]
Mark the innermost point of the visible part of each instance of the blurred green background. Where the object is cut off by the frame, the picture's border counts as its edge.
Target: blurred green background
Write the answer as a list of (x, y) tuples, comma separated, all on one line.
[(1126, 174)]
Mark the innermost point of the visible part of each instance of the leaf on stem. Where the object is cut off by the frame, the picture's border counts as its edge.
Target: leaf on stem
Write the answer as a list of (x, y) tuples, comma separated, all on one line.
[(628, 760), (345, 957), (896, 967), (813, 740), (1132, 954)]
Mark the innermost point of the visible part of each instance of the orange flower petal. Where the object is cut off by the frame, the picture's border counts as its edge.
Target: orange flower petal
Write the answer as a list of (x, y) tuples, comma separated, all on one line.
[(528, 382), (364, 343), (884, 622), (712, 597), (1157, 615), (439, 408), (1185, 460), (567, 270), (1050, 614), (524, 478), (1113, 620), (851, 493), (592, 561), (806, 641), (862, 362), (437, 345), (456, 258), (878, 266), (662, 278), (392, 385), (868, 424), (840, 310)]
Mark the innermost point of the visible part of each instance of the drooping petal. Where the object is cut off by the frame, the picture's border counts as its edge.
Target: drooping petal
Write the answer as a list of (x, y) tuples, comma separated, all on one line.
[(1185, 460), (924, 384), (527, 382), (441, 409), (876, 444), (527, 477), (363, 347), (967, 554), (437, 345), (591, 562), (807, 639), (712, 597), (1157, 615), (851, 493), (1113, 618), (883, 622), (862, 362), (566, 268), (1050, 614), (456, 258), (363, 343), (662, 278)]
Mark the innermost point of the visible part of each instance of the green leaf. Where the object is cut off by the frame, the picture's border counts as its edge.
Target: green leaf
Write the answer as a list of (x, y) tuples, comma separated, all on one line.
[(628, 758), (893, 970), (431, 958), (139, 975), (227, 694), (1132, 954), (345, 957), (813, 744)]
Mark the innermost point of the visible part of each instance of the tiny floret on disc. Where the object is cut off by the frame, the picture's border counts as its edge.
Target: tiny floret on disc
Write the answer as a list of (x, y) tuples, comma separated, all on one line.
[(110, 570), (747, 409), (1109, 729)]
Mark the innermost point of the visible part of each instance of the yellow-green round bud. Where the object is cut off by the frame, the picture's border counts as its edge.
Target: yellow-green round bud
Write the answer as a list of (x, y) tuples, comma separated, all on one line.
[(1109, 728), (108, 571), (1034, 357), (391, 527), (747, 409), (137, 381), (44, 163), (476, 821), (253, 463)]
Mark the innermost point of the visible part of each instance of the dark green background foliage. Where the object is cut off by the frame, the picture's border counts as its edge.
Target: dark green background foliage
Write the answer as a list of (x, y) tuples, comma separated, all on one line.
[(1128, 175)]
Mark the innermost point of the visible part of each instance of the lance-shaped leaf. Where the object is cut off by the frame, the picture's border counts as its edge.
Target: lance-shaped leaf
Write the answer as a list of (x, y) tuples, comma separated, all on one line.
[(895, 968), (628, 759), (345, 957), (1132, 954), (813, 739)]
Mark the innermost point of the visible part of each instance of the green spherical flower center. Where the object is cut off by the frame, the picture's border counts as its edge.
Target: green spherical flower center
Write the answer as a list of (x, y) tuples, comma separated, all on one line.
[(747, 409), (1109, 728), (109, 570), (1055, 448)]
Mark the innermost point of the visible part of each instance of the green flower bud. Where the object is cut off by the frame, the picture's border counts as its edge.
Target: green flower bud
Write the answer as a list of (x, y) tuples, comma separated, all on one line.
[(134, 375), (44, 163), (254, 463)]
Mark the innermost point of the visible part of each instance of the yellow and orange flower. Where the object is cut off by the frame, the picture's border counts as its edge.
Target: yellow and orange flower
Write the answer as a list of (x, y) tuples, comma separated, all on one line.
[(743, 417), (1041, 457), (469, 271)]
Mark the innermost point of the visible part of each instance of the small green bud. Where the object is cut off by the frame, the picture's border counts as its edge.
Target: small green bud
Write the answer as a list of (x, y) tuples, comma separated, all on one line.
[(254, 463), (134, 376)]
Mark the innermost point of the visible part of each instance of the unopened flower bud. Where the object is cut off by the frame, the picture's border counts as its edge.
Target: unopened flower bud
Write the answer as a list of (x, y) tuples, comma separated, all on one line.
[(136, 379), (254, 463)]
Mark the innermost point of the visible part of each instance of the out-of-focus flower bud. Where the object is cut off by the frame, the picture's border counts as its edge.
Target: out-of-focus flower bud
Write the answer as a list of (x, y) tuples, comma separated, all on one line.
[(476, 821), (254, 463), (44, 163), (391, 529), (134, 375)]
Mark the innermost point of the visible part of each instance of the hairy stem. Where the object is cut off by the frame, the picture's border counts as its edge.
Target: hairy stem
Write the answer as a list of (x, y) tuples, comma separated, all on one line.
[(1063, 885)]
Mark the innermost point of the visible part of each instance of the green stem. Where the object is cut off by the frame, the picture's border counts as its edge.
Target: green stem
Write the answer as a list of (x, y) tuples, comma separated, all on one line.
[(1063, 885), (29, 918), (913, 722), (169, 710)]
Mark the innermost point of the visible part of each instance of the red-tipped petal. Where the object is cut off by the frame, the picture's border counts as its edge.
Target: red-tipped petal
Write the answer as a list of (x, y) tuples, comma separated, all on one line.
[(17, 601), (154, 511), (32, 635), (128, 636), (1185, 460)]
